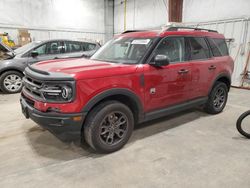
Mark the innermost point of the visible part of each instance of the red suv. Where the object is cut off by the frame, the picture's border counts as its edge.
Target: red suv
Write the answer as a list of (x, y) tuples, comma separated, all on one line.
[(135, 77)]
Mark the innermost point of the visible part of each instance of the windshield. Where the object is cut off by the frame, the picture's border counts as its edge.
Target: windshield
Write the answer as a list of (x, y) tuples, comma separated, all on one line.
[(123, 50), (26, 47)]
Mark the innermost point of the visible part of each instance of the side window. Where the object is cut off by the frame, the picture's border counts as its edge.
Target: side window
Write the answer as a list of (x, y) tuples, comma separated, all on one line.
[(173, 47), (72, 47), (198, 48), (214, 48), (53, 48), (221, 44), (41, 49), (88, 46)]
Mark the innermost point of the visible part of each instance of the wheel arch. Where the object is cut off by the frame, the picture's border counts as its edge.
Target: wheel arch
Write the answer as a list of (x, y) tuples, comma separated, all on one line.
[(11, 69), (124, 96), (223, 77)]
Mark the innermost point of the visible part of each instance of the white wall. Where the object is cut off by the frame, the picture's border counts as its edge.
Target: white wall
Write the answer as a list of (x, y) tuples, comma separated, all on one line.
[(221, 15), (140, 14), (56, 18), (207, 10)]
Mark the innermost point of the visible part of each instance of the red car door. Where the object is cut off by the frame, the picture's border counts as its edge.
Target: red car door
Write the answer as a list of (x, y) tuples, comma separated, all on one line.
[(203, 66), (170, 84)]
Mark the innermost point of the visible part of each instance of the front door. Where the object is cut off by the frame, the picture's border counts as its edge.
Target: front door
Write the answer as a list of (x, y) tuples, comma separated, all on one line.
[(47, 51), (168, 85)]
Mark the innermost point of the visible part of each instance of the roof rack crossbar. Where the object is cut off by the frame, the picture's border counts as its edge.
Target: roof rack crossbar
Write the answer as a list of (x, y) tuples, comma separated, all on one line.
[(194, 28)]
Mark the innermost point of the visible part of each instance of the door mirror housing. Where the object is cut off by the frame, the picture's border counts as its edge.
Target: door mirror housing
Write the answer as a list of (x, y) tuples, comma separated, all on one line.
[(34, 54), (160, 60)]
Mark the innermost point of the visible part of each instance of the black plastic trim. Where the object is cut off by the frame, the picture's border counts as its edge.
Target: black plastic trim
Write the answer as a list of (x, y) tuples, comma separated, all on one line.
[(175, 28), (52, 120), (51, 76), (174, 109), (113, 92), (38, 71), (221, 75)]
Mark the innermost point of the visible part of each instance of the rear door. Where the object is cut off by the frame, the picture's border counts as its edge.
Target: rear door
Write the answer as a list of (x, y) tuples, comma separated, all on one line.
[(171, 84), (72, 49), (203, 66)]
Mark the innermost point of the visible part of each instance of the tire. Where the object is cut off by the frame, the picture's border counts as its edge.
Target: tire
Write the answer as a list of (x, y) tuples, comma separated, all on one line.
[(100, 126), (11, 82), (215, 104), (239, 122)]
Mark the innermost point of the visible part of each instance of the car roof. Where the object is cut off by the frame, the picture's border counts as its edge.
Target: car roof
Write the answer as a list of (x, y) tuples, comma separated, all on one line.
[(172, 32), (73, 40)]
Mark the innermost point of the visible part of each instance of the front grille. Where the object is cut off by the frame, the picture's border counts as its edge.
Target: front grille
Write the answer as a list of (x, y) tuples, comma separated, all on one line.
[(32, 86)]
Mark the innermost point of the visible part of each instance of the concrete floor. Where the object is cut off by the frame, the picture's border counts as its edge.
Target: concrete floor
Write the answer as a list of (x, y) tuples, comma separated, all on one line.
[(190, 149)]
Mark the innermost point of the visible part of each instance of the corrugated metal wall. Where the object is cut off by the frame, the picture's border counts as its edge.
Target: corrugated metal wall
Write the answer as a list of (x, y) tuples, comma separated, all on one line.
[(237, 29), (38, 34), (49, 19)]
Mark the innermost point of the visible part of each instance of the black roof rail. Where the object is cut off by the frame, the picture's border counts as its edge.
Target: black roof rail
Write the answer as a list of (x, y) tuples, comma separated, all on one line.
[(131, 31), (175, 28)]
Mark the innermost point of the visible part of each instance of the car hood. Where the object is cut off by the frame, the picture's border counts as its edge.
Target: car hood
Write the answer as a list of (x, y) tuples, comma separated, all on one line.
[(85, 68), (5, 52)]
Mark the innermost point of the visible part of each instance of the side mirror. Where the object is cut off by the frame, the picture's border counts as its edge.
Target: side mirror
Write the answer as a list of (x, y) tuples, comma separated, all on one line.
[(34, 54), (160, 60)]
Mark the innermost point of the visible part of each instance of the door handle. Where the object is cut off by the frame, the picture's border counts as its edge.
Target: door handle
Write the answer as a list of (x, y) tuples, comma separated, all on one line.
[(56, 58), (212, 67), (183, 71)]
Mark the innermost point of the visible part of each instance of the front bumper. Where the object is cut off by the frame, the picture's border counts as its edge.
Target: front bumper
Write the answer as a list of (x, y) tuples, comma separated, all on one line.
[(53, 121)]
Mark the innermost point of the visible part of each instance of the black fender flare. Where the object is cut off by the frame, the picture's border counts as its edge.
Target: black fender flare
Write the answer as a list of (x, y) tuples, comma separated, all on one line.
[(221, 75), (112, 92)]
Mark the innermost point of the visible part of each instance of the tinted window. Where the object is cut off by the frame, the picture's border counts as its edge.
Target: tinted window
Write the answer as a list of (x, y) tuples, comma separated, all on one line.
[(41, 49), (88, 46), (71, 47), (214, 48), (173, 47), (53, 48), (222, 46), (198, 48), (218, 47)]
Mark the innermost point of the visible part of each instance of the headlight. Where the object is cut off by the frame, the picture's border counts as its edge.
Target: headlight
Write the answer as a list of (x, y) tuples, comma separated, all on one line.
[(58, 92)]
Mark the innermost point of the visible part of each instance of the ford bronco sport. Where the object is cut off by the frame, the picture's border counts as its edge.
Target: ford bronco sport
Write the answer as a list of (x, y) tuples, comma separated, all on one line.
[(135, 77)]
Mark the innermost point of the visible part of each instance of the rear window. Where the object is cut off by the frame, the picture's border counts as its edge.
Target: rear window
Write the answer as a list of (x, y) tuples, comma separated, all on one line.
[(218, 47)]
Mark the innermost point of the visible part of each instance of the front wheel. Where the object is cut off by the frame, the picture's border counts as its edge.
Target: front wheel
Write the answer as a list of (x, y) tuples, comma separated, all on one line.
[(11, 82), (243, 124), (109, 126), (217, 98)]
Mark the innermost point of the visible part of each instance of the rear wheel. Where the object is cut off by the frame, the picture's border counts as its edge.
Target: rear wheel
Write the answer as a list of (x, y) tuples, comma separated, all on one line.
[(217, 98), (11, 82), (109, 126)]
